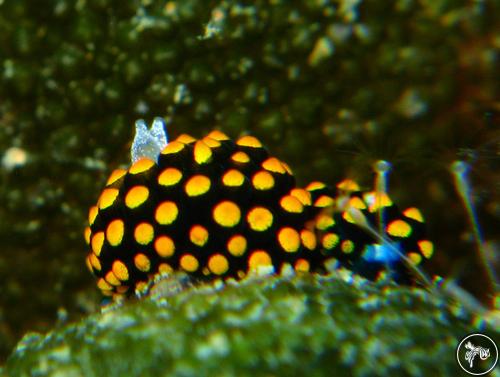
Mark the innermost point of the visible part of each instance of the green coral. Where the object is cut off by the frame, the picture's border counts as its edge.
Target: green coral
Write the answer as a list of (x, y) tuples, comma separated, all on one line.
[(332, 86), (276, 326)]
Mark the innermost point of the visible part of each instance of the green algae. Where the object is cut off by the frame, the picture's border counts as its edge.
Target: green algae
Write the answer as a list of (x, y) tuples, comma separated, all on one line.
[(280, 326), (327, 84)]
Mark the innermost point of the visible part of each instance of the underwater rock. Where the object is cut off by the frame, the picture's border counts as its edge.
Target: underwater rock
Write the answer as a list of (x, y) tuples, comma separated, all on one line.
[(307, 325)]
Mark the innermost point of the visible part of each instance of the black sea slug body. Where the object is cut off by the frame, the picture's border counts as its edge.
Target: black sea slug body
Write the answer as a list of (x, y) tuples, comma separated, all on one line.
[(220, 208)]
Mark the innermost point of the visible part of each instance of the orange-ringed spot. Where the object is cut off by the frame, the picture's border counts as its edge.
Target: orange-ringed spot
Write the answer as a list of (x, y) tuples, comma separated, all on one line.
[(103, 285), (233, 178), (186, 139), (144, 233), (302, 195), (301, 265), (259, 258), (212, 143), (115, 231), (324, 222), (263, 180), (142, 165), (136, 196), (329, 241), (348, 185), (291, 204), (347, 246), (173, 147), (112, 279), (169, 177), (289, 239), (94, 262), (414, 258), (356, 202), (107, 198), (86, 233), (197, 185), (97, 242), (237, 245), (324, 201), (316, 185), (259, 219), (274, 165), (308, 239), (226, 214), (115, 176), (142, 262), (189, 263), (240, 157), (198, 235), (399, 228), (218, 135), (164, 246), (166, 213), (165, 268), (93, 211), (414, 213), (426, 248), (218, 264), (202, 152), (249, 141), (120, 270)]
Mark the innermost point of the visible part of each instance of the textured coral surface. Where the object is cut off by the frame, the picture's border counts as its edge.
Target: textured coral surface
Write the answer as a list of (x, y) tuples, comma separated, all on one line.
[(329, 86), (278, 326)]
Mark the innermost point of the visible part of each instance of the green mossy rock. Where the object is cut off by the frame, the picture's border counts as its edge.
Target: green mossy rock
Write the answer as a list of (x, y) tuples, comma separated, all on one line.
[(273, 326)]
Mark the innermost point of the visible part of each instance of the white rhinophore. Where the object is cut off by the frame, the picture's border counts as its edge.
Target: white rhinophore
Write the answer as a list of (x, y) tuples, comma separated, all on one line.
[(149, 142)]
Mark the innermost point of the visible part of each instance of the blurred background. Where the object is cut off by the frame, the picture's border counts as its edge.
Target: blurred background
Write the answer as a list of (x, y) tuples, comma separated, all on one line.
[(329, 86)]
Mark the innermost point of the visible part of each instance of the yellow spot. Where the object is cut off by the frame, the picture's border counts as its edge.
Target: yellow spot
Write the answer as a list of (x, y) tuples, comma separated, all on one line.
[(260, 219), (103, 285), (308, 239), (263, 180), (144, 233), (142, 262), (212, 143), (218, 135), (218, 264), (198, 235), (173, 147), (399, 228), (240, 157), (202, 153), (115, 231), (226, 214), (291, 204), (259, 258), (86, 234), (414, 213), (97, 242), (186, 139), (414, 258), (289, 239), (141, 287), (303, 195), (93, 211), (166, 213), (95, 262), (112, 279), (164, 246), (348, 185), (237, 245), (329, 241), (324, 201), (120, 270), (356, 202), (189, 263), (426, 248), (377, 201), (136, 196), (274, 165), (142, 165), (348, 217), (115, 176), (169, 177), (316, 185), (197, 185), (89, 266), (107, 198), (347, 246), (165, 268), (324, 222), (302, 265), (233, 178), (249, 141), (241, 274)]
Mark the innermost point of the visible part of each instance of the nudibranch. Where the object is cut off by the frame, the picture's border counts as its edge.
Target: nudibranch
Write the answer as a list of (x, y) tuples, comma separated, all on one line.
[(218, 208)]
